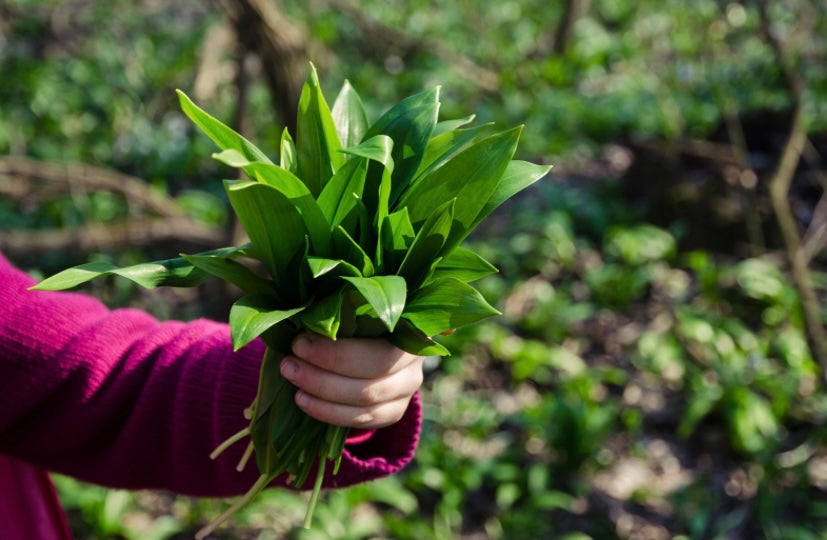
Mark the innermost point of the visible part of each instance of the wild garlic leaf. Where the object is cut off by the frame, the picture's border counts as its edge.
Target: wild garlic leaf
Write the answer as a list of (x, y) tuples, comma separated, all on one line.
[(175, 272), (232, 271), (470, 177), (317, 143), (319, 266), (252, 315), (397, 235), (294, 189), (410, 124), (340, 196), (385, 294), (349, 116), (378, 148), (225, 137), (287, 154), (446, 304), (444, 126), (382, 210), (427, 244), (518, 175), (463, 264), (348, 249), (231, 157), (324, 316), (443, 148), (410, 339), (276, 229)]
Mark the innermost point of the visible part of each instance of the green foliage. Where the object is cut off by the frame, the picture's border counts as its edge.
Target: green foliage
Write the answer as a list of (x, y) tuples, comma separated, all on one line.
[(289, 219), (601, 312)]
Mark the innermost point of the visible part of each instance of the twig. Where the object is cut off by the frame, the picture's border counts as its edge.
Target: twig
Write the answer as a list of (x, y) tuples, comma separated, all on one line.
[(19, 178), (815, 239), (779, 186), (108, 236)]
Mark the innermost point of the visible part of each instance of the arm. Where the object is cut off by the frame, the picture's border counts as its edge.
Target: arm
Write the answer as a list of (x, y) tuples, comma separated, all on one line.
[(120, 399)]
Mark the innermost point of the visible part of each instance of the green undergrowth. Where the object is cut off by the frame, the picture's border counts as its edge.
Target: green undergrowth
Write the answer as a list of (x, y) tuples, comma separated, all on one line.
[(615, 348)]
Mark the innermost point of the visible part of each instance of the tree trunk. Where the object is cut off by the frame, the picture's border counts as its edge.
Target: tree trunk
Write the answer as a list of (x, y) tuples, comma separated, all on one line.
[(281, 46), (573, 10)]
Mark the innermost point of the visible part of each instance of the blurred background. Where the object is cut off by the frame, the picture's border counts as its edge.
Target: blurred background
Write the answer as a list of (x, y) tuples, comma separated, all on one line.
[(659, 369)]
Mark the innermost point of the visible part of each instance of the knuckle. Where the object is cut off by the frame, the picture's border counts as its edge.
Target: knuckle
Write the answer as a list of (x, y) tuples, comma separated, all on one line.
[(370, 395), (363, 420)]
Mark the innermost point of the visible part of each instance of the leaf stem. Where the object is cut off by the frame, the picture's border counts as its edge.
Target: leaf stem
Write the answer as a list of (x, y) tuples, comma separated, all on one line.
[(229, 442), (246, 457), (317, 488), (260, 484)]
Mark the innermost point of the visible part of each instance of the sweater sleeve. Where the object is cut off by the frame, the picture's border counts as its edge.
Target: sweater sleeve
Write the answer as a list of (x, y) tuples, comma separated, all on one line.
[(120, 399)]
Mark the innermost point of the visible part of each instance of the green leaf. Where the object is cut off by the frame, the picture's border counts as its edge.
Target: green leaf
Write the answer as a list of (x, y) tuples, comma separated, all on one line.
[(320, 266), (397, 235), (445, 126), (382, 209), (428, 244), (446, 304), (471, 177), (298, 194), (275, 227), (443, 148), (324, 316), (222, 135), (376, 197), (253, 315), (236, 273), (378, 148), (348, 249), (349, 116), (317, 143), (463, 264), (410, 124), (385, 294), (410, 339), (518, 175), (231, 158), (287, 156), (340, 196), (176, 272)]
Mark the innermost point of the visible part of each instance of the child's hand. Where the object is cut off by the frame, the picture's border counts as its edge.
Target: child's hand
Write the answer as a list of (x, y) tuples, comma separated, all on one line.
[(360, 383)]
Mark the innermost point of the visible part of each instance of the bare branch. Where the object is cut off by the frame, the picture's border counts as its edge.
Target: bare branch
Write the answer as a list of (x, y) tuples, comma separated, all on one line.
[(19, 178), (109, 236), (33, 181), (779, 186)]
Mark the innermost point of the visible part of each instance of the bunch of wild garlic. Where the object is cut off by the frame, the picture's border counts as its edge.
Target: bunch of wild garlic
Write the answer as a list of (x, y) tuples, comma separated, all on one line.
[(359, 228)]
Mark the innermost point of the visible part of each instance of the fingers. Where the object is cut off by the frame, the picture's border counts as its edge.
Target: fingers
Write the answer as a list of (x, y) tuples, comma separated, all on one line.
[(352, 357), (375, 417), (364, 383), (336, 388)]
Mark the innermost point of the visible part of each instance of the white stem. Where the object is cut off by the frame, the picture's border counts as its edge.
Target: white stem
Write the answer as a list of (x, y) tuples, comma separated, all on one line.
[(229, 442), (262, 481), (245, 458)]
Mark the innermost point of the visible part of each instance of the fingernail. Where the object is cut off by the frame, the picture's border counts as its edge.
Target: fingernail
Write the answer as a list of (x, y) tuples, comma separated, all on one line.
[(301, 346), (289, 369), (301, 398)]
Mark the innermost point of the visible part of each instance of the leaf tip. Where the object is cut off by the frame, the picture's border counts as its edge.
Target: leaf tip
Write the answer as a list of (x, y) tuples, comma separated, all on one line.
[(313, 76)]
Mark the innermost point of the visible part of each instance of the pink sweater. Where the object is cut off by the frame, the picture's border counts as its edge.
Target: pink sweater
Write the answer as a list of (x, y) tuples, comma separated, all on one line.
[(122, 400)]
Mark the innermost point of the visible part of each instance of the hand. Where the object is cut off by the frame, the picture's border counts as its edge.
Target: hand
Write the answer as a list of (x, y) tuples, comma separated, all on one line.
[(360, 383)]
